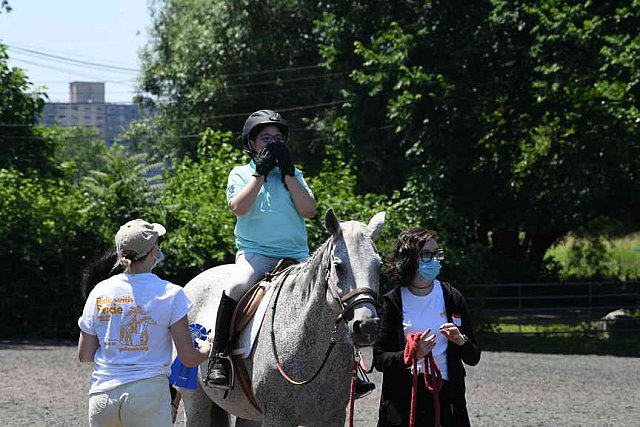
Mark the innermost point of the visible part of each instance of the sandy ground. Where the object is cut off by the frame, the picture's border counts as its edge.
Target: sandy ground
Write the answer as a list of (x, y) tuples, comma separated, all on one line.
[(46, 386)]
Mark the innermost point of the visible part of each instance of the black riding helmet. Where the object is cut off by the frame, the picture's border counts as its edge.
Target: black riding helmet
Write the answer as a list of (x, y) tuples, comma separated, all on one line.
[(262, 117)]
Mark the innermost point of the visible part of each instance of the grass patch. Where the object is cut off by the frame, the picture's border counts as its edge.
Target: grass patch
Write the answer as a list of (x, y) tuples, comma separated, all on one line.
[(558, 344), (548, 328), (615, 259), (555, 338)]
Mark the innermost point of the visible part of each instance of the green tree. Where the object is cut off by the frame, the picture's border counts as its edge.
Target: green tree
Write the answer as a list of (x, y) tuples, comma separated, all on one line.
[(517, 122), (194, 209), (127, 187), (23, 145), (80, 149), (210, 63), (43, 245)]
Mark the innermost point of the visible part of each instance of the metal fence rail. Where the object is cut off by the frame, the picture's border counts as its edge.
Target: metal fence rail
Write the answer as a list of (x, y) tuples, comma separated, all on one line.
[(554, 307)]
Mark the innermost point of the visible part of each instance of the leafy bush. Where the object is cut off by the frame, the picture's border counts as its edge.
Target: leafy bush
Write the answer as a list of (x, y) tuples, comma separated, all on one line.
[(194, 209), (597, 258), (41, 265)]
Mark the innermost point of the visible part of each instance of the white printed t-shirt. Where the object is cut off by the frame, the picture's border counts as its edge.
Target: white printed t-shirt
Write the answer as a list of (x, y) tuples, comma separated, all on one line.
[(131, 314), (423, 312)]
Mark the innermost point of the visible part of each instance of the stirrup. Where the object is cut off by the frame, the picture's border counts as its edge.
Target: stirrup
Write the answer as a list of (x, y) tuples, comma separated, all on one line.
[(223, 358)]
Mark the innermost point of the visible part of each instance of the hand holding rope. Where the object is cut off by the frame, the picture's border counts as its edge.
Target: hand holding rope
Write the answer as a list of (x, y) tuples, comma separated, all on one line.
[(432, 376)]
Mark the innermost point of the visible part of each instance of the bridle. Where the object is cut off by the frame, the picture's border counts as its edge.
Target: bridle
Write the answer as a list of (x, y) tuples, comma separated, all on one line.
[(346, 307)]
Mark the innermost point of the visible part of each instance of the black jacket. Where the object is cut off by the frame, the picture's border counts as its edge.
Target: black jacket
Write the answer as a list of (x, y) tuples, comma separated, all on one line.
[(388, 358)]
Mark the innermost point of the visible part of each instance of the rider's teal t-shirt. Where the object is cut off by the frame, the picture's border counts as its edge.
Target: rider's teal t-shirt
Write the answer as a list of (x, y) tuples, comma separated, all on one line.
[(273, 226)]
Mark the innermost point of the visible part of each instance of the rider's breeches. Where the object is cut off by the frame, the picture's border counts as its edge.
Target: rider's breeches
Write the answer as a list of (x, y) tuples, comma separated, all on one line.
[(249, 268)]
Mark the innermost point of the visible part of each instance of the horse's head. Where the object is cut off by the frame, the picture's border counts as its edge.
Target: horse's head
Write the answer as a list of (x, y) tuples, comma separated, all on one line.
[(353, 278)]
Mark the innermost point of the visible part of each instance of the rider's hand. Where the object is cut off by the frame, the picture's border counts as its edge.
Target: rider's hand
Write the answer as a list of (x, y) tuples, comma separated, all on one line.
[(265, 160), (426, 343), (285, 162)]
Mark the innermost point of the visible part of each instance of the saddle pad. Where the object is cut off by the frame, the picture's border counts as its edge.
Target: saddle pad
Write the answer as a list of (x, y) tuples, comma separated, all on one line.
[(250, 332)]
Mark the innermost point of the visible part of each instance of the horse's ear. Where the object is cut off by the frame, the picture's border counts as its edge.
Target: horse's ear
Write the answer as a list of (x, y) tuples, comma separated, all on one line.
[(332, 223), (376, 223)]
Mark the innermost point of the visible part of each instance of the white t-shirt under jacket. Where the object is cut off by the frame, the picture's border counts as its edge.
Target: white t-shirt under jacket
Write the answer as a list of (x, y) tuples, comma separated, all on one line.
[(420, 313)]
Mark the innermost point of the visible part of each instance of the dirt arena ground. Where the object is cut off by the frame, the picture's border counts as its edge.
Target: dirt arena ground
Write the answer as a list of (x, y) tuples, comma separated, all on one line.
[(44, 385)]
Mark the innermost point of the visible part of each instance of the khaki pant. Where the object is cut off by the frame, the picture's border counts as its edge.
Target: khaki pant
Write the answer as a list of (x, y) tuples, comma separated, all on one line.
[(140, 403)]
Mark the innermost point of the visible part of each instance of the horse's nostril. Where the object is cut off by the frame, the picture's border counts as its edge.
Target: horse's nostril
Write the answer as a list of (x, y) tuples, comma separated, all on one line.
[(356, 326), (367, 329)]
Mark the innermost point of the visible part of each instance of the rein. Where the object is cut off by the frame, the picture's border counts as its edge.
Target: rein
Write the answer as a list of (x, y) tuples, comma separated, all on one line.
[(331, 281)]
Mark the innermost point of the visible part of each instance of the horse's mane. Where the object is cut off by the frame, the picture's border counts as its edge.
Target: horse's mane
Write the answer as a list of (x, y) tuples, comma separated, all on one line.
[(315, 268)]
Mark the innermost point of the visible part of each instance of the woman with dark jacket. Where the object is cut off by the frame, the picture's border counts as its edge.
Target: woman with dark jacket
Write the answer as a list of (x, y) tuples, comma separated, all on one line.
[(437, 311)]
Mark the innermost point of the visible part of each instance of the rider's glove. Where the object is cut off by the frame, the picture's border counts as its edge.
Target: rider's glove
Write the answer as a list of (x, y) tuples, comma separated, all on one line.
[(265, 160), (285, 162)]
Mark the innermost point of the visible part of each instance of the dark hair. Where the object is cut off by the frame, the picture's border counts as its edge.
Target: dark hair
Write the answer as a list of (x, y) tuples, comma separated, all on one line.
[(100, 269), (403, 263)]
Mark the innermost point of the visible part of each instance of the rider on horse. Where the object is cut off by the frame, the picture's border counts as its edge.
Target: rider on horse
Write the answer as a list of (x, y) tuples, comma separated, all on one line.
[(270, 199)]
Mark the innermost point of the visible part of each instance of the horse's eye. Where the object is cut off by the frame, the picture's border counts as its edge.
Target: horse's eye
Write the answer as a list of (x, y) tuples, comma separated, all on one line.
[(337, 261)]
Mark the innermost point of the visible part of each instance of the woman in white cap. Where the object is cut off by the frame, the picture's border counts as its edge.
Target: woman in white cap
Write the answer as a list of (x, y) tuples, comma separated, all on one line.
[(127, 327)]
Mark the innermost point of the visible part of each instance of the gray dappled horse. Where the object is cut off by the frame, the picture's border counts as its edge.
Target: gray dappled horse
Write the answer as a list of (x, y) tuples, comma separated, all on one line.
[(305, 316)]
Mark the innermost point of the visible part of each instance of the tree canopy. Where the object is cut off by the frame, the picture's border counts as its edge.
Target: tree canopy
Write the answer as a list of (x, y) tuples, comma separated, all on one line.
[(22, 145), (512, 123), (503, 125), (506, 125)]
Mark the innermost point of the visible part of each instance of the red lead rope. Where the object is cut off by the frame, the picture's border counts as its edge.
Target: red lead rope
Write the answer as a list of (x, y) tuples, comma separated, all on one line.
[(352, 392), (432, 378)]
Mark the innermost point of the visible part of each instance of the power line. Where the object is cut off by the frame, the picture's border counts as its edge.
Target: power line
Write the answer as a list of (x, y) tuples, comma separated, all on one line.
[(68, 60), (61, 53), (49, 67), (221, 116), (297, 79), (277, 70)]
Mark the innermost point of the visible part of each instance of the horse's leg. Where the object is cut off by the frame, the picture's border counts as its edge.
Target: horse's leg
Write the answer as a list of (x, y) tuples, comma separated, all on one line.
[(200, 411), (241, 422)]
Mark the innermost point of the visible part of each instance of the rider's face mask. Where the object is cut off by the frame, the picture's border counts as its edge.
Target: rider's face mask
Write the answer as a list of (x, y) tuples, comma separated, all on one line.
[(429, 270), (158, 258)]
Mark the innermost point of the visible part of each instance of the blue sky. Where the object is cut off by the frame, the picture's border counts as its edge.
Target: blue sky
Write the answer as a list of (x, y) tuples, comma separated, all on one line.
[(109, 32)]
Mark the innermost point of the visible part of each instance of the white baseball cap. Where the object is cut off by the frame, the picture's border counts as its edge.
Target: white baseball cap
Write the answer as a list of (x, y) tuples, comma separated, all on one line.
[(137, 237)]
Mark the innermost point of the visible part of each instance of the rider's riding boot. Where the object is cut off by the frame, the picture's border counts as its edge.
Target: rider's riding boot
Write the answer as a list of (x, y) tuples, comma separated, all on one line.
[(218, 369)]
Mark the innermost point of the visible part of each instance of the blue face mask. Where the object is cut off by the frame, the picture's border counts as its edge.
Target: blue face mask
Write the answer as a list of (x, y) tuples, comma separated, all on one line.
[(158, 259), (429, 270)]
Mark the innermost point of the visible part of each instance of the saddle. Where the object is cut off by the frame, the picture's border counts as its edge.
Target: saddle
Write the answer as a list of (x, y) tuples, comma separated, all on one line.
[(244, 312)]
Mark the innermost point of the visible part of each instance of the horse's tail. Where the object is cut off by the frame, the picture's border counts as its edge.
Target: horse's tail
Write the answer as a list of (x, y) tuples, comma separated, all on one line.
[(98, 270)]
